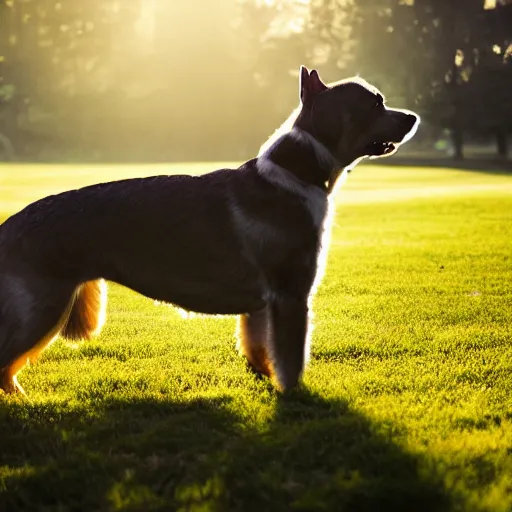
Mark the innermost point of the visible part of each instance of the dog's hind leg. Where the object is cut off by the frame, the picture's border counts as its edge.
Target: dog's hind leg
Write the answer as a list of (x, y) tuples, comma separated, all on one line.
[(288, 342), (32, 312), (253, 334)]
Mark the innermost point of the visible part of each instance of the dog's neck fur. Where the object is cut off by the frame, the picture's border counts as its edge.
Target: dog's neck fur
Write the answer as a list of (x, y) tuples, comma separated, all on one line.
[(304, 157)]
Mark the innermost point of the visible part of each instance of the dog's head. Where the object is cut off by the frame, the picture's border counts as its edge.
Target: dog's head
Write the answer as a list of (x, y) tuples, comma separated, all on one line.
[(351, 119)]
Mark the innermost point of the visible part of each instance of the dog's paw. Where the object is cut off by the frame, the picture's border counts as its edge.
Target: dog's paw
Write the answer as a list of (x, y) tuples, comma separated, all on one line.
[(10, 385)]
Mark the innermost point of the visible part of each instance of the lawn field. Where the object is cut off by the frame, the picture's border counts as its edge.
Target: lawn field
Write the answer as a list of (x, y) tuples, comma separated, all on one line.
[(406, 404)]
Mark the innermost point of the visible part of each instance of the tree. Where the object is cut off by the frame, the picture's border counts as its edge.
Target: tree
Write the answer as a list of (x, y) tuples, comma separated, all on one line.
[(492, 80), (427, 55)]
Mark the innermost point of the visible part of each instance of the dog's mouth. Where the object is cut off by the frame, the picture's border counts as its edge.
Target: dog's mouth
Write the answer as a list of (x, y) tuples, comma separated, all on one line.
[(380, 148)]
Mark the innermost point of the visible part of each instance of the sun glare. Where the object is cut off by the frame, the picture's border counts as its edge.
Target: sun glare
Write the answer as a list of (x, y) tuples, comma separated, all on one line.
[(271, 3)]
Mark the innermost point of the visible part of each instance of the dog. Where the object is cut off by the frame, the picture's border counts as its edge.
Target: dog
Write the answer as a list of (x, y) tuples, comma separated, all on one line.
[(243, 241)]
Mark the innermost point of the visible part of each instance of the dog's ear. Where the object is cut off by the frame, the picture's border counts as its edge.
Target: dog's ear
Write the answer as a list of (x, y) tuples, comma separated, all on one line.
[(310, 85), (303, 82)]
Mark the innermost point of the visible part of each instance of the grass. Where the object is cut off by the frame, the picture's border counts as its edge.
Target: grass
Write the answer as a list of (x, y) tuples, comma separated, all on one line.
[(406, 404)]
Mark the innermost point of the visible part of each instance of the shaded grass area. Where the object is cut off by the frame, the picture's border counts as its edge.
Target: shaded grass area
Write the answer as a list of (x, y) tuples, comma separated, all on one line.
[(406, 404), (152, 454)]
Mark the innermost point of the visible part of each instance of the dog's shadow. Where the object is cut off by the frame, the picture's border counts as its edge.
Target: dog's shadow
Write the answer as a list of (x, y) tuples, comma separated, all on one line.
[(159, 455)]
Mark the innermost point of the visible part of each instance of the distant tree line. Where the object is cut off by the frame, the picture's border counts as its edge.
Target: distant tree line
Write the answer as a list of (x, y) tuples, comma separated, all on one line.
[(153, 80), (449, 59)]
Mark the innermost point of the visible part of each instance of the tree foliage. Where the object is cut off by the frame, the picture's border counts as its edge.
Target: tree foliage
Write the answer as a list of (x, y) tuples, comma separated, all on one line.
[(158, 80), (448, 59)]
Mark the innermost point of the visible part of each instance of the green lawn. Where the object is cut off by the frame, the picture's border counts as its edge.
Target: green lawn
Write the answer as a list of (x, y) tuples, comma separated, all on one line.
[(406, 404)]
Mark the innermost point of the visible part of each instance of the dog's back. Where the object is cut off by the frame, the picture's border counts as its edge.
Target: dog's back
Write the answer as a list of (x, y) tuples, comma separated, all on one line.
[(172, 238)]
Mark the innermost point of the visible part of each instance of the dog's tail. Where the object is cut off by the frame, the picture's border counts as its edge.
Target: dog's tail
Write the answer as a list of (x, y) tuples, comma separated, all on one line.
[(88, 311)]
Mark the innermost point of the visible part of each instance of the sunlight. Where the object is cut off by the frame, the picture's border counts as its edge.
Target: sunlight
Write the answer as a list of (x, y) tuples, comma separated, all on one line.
[(145, 25), (158, 108), (508, 52), (271, 3)]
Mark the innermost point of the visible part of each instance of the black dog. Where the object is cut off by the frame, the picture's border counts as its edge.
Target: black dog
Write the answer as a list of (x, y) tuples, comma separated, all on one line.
[(242, 241)]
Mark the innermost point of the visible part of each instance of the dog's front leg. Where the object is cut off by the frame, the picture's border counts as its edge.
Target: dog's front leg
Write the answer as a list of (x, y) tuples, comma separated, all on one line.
[(289, 325)]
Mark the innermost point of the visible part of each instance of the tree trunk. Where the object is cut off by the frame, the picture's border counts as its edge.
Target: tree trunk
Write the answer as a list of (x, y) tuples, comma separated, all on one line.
[(458, 142), (502, 143)]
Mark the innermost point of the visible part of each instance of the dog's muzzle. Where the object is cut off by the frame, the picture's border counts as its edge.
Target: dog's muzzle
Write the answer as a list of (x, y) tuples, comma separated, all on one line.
[(392, 129)]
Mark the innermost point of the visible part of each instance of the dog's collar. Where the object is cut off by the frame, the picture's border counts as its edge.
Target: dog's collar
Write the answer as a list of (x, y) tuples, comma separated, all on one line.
[(325, 158), (327, 162), (313, 163)]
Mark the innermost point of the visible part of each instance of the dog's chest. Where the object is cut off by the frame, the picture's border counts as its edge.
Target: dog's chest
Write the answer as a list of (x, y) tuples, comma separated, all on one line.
[(280, 237)]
